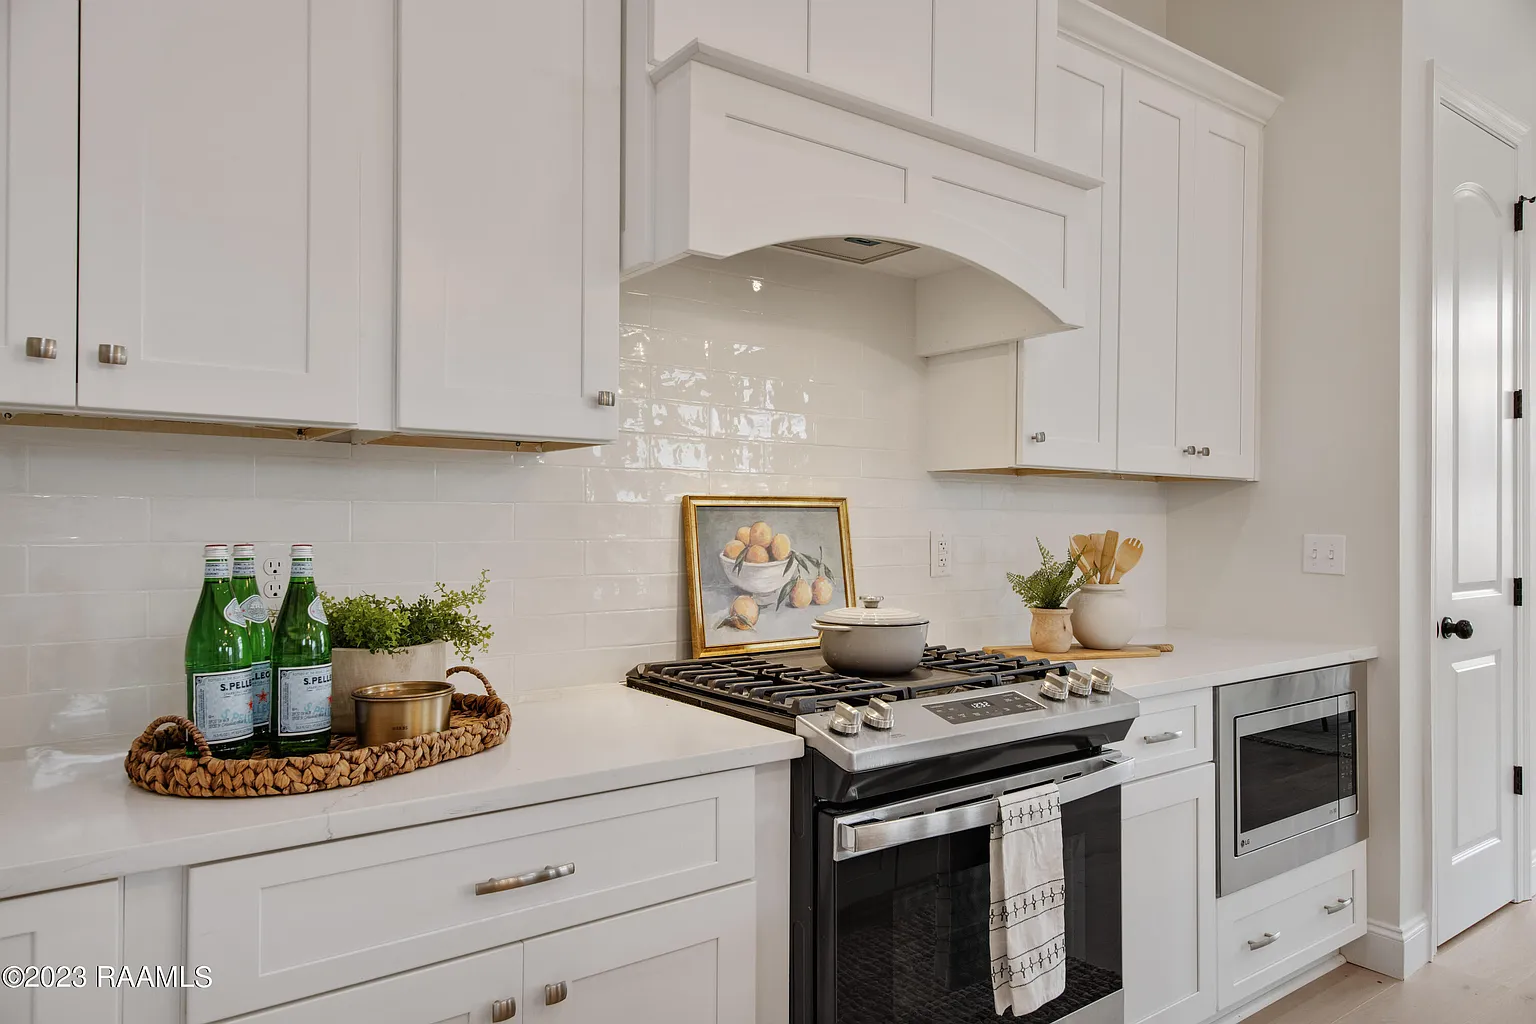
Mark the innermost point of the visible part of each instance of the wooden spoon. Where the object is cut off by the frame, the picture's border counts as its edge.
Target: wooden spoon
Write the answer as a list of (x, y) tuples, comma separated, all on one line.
[(1127, 557), (1092, 553), (1107, 555), (1078, 548)]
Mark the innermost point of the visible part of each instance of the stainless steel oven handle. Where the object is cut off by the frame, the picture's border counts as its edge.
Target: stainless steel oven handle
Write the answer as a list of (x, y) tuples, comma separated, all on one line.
[(867, 831)]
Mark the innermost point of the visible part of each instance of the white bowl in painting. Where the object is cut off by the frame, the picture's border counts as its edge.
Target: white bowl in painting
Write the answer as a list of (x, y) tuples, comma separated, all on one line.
[(759, 578)]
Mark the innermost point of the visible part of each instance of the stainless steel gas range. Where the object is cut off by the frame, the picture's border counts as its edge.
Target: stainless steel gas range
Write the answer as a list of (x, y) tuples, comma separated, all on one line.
[(891, 811)]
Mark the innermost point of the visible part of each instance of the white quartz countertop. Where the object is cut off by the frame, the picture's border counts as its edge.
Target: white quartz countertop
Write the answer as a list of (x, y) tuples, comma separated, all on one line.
[(72, 817), (1199, 660)]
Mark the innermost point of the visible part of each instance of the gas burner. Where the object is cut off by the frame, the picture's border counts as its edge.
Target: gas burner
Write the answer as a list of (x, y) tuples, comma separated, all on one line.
[(775, 690)]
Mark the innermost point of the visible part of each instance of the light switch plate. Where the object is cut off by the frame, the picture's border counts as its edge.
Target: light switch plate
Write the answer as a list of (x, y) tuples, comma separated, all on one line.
[(940, 554), (1323, 553)]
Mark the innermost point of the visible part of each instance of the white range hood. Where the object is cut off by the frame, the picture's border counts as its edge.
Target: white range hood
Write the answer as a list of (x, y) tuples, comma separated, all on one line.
[(725, 154)]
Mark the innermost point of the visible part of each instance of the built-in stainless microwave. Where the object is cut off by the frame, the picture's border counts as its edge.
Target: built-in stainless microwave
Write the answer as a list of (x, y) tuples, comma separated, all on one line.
[(1290, 768)]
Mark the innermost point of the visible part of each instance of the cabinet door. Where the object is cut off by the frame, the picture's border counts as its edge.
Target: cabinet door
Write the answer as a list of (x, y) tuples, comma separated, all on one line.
[(462, 991), (1156, 245), (38, 101), (222, 164), (1218, 352), (1068, 381), (691, 961), (1169, 915), (509, 232), (66, 928)]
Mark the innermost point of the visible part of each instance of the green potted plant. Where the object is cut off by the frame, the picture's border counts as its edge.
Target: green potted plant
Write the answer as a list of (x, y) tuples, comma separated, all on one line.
[(386, 640), (1045, 592)]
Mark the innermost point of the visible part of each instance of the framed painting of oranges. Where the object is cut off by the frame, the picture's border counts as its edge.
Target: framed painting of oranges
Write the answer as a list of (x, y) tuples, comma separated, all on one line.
[(760, 570)]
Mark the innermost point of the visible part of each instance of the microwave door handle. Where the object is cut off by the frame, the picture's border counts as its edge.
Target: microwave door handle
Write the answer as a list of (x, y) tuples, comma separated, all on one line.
[(868, 836)]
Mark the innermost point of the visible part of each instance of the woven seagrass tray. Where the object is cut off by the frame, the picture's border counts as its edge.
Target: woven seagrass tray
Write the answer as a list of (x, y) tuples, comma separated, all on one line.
[(158, 761)]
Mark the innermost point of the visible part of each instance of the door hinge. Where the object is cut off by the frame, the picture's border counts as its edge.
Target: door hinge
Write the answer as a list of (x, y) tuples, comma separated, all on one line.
[(1519, 781), (1520, 211), (1519, 591), (1519, 403)]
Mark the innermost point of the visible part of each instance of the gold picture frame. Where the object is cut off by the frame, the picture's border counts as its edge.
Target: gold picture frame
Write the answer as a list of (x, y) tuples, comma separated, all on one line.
[(787, 592)]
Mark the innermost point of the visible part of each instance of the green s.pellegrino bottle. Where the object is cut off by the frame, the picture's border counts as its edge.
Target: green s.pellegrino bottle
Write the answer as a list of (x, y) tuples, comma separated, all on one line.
[(219, 661), (301, 664), (259, 625)]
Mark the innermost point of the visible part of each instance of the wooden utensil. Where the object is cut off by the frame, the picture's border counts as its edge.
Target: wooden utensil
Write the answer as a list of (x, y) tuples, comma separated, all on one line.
[(1127, 557), (1078, 547), (1091, 554), (1107, 555)]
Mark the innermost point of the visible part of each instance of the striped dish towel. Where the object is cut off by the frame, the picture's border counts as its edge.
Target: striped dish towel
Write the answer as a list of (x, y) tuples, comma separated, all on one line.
[(1028, 917)]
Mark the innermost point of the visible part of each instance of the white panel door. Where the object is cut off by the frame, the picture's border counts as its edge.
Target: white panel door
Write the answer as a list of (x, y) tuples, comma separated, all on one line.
[(1168, 876), (475, 989), (1157, 188), (1068, 381), (509, 231), (54, 930), (880, 49), (1218, 353), (222, 161), (1477, 178), (988, 59), (691, 961), (39, 41), (772, 32)]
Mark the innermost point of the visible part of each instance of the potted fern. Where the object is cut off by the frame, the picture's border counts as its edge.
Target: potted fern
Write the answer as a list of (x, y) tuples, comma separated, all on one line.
[(386, 640), (1045, 592)]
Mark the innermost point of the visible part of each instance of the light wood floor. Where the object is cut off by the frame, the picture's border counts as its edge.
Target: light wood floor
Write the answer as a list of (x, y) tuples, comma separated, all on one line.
[(1486, 975)]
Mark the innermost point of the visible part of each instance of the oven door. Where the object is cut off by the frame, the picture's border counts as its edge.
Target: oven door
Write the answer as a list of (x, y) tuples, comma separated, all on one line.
[(904, 898), (1294, 770)]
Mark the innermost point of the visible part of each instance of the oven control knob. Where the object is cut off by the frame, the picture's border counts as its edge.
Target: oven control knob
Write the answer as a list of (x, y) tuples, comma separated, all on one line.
[(846, 719), (878, 714)]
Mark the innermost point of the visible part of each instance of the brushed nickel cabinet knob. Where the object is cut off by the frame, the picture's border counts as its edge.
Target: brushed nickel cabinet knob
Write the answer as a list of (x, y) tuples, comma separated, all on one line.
[(43, 348), (1190, 449), (112, 355), (1205, 451), (503, 1009), (555, 993), (1038, 437), (606, 398)]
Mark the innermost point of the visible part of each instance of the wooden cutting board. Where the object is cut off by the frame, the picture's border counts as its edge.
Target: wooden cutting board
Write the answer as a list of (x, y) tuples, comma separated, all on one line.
[(1081, 653)]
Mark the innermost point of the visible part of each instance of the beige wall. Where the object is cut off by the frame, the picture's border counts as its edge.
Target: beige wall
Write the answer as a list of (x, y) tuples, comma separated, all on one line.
[(1149, 14), (1328, 372)]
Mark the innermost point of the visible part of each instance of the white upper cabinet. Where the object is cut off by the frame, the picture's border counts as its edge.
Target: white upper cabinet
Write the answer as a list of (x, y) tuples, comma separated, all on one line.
[(981, 67), (1188, 285), (38, 91), (508, 206), (223, 155)]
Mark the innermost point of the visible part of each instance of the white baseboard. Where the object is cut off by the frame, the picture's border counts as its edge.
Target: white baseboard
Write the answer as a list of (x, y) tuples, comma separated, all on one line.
[(1301, 978), (1390, 950)]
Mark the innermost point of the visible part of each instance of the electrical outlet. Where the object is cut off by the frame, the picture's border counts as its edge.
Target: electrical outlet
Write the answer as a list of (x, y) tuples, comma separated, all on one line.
[(940, 554), (272, 590), (1323, 553), (273, 567)]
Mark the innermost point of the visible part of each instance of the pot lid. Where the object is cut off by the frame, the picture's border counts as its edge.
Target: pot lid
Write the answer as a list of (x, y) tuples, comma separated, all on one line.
[(871, 614)]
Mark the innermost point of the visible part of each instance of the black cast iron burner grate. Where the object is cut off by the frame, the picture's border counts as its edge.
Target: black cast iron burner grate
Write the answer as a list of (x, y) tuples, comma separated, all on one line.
[(791, 690)]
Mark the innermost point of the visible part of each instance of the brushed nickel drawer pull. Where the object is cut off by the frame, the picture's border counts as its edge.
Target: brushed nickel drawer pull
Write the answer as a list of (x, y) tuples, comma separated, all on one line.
[(503, 1009), (555, 993), (544, 874), (1266, 940), (112, 355), (1340, 904), (1163, 737), (43, 348)]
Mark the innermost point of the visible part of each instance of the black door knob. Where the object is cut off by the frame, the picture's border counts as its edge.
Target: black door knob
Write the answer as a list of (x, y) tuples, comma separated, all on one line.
[(1450, 628)]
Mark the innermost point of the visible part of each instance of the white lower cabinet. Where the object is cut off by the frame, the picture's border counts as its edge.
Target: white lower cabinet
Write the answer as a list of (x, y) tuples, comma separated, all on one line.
[(1168, 871), (691, 961), (52, 931)]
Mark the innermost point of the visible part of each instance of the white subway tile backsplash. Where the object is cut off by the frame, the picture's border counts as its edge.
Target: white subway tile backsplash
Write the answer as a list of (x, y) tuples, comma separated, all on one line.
[(803, 383)]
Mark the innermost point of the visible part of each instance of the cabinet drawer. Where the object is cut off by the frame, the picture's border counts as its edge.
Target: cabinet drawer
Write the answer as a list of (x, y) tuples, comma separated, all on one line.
[(1294, 919), (1172, 732), (285, 925)]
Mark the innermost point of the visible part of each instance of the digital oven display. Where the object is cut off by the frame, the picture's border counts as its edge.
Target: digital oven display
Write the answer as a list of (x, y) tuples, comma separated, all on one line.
[(993, 705)]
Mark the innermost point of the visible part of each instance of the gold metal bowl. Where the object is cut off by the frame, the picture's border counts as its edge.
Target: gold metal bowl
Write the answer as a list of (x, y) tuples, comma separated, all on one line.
[(400, 711)]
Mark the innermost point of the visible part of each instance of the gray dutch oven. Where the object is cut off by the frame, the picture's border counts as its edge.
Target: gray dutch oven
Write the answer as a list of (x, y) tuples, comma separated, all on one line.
[(870, 640)]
